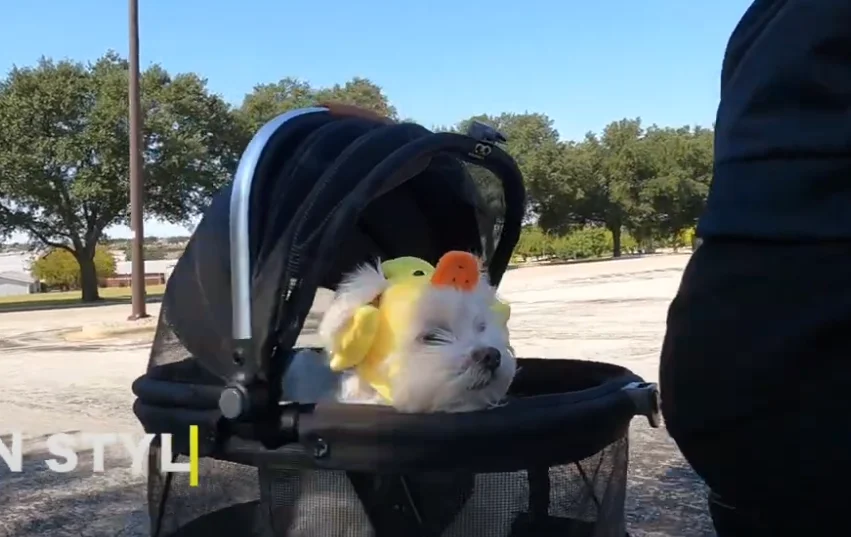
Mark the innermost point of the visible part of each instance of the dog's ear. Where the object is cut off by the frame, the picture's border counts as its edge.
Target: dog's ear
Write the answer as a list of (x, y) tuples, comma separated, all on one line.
[(350, 323)]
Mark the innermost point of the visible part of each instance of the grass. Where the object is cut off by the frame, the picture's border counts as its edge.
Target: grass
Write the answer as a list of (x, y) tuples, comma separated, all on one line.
[(70, 299)]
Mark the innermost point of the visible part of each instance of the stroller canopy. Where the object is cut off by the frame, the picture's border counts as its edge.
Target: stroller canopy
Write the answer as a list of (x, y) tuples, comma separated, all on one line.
[(318, 192)]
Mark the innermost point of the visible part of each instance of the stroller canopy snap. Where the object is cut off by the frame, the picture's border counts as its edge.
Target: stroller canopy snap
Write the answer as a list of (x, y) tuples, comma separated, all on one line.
[(319, 191)]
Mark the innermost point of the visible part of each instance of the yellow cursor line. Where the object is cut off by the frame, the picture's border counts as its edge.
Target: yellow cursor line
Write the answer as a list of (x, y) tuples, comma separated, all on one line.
[(193, 455)]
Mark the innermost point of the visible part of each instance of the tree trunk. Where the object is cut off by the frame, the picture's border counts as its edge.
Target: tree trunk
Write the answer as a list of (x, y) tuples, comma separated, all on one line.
[(88, 276), (616, 239)]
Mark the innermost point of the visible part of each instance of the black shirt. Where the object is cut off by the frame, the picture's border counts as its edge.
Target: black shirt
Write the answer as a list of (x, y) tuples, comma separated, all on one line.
[(783, 131)]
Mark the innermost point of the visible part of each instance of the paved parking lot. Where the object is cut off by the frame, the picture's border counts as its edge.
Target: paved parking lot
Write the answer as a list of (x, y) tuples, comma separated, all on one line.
[(609, 311)]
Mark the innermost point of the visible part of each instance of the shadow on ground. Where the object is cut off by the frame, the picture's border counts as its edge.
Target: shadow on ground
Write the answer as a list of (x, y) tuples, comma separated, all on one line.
[(54, 341), (665, 497), (77, 347)]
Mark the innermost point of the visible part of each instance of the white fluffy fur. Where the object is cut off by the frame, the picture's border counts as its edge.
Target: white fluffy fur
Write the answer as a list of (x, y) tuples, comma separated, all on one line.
[(436, 373)]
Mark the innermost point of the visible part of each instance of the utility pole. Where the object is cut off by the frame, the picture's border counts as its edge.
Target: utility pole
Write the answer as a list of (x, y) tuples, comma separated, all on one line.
[(137, 217)]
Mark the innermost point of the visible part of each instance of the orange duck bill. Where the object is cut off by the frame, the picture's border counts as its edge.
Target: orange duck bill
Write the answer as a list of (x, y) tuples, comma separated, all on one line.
[(457, 269)]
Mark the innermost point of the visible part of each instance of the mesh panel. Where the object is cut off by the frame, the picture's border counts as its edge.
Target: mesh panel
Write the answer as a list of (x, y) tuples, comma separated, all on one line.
[(174, 507), (491, 206), (171, 360), (585, 499), (167, 348)]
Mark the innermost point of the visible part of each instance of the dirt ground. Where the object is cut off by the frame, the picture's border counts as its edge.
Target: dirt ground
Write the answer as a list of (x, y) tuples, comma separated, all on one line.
[(608, 311)]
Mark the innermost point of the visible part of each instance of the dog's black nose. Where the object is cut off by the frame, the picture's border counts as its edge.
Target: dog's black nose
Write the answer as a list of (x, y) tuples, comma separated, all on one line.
[(487, 357)]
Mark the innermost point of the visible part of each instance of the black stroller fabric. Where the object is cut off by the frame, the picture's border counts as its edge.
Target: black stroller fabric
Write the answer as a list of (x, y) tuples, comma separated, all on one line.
[(436, 211), (558, 469), (331, 192)]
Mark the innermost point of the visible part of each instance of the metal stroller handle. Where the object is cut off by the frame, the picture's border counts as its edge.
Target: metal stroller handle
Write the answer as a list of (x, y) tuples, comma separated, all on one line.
[(236, 399), (240, 202)]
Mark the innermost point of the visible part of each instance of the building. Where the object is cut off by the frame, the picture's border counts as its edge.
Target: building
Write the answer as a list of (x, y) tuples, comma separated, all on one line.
[(157, 272), (14, 283), (152, 266), (14, 274)]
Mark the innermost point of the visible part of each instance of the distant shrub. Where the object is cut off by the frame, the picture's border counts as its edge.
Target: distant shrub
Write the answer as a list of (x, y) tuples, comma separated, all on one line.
[(583, 243), (533, 243), (688, 236), (59, 268)]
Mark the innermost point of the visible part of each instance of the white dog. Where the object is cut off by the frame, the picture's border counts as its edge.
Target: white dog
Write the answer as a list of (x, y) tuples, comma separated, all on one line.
[(419, 338), (439, 338)]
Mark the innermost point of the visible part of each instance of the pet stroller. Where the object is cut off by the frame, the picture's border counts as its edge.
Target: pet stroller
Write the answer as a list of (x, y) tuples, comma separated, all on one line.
[(317, 192)]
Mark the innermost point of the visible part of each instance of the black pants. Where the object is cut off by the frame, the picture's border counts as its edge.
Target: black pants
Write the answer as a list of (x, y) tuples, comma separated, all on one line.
[(756, 384)]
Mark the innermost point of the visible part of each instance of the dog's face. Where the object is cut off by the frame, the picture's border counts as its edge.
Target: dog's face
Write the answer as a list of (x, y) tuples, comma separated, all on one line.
[(422, 338), (453, 354)]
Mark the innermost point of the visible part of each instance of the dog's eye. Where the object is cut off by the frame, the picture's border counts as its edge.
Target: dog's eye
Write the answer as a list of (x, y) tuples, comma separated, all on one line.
[(481, 326), (433, 337)]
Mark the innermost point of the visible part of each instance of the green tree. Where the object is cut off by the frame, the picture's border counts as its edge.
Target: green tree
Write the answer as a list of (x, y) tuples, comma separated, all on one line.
[(64, 151), (533, 243), (644, 186), (269, 100), (682, 161), (177, 240), (60, 268), (533, 142), (622, 168), (5, 226), (152, 252), (597, 182)]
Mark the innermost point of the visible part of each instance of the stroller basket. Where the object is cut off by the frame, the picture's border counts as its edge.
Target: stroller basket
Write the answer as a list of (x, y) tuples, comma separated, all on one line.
[(317, 192)]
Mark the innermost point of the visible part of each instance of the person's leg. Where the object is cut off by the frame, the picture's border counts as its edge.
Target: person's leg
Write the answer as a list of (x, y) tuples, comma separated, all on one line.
[(756, 365), (732, 522), (756, 382)]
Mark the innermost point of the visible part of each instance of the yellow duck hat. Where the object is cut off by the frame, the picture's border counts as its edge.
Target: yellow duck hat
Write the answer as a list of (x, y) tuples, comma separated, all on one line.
[(358, 328)]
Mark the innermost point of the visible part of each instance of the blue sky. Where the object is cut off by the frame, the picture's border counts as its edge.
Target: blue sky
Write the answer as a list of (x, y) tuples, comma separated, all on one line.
[(439, 61)]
